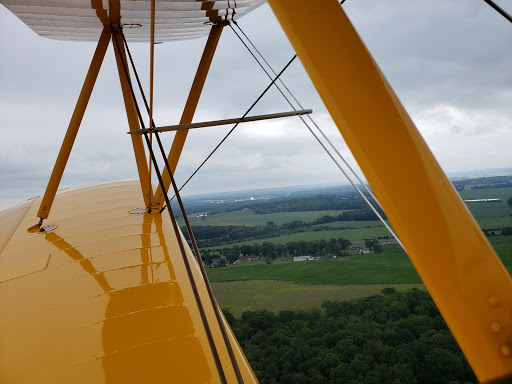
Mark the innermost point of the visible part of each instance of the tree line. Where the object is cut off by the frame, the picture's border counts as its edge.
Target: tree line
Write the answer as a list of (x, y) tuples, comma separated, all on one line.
[(484, 182), (314, 203), (487, 186), (388, 338), (215, 235), (322, 247)]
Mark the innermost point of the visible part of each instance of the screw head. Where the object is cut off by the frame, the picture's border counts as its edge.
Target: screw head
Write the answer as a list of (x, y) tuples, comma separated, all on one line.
[(496, 327)]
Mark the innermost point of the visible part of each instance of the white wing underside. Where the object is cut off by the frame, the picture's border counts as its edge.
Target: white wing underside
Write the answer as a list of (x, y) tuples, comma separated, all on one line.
[(83, 20)]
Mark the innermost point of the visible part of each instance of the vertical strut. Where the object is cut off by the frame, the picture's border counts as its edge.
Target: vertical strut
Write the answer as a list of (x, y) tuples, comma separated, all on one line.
[(190, 108), (74, 125), (461, 271), (131, 114)]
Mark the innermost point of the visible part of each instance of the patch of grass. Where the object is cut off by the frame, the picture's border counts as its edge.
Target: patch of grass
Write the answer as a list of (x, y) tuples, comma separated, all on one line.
[(495, 222), (490, 210), (503, 247), (489, 193), (240, 296)]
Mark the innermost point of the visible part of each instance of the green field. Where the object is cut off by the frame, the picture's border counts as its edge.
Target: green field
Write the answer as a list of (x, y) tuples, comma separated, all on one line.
[(389, 267), (248, 217), (289, 285), (240, 296), (490, 215), (503, 247), (350, 234), (495, 222), (490, 193)]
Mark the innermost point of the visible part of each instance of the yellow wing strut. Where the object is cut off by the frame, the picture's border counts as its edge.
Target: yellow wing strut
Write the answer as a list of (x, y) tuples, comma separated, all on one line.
[(464, 276), (133, 122), (74, 125)]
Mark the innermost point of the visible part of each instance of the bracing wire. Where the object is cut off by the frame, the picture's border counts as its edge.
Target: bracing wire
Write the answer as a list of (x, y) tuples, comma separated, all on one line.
[(300, 105), (500, 10), (316, 137), (236, 125)]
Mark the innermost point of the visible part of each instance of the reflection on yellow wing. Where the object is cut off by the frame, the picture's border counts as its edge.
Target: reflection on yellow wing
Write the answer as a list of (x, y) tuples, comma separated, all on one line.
[(112, 305)]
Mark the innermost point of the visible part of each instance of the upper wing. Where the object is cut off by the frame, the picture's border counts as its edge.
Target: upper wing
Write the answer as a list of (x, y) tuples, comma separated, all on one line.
[(83, 20)]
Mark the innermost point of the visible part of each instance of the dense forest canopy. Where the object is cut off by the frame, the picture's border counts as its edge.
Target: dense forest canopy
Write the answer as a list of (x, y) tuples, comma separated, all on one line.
[(390, 338)]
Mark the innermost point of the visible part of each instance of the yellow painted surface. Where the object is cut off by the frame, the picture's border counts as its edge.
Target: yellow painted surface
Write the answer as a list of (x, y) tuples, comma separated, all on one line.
[(466, 279), (10, 219), (113, 305)]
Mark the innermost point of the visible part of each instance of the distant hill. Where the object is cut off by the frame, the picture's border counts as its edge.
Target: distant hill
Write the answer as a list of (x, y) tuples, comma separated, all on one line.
[(296, 198), (479, 173)]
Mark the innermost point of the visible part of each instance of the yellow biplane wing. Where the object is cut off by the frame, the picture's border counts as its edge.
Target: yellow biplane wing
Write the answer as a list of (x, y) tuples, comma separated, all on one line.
[(107, 293)]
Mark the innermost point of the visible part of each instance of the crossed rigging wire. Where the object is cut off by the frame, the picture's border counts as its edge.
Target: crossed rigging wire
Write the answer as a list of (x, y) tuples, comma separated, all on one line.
[(368, 190), (273, 82), (319, 130)]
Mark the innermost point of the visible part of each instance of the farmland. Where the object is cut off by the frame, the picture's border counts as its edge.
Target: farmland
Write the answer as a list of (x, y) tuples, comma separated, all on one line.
[(275, 296), (392, 266), (289, 285), (350, 234), (248, 217), (285, 284), (491, 216)]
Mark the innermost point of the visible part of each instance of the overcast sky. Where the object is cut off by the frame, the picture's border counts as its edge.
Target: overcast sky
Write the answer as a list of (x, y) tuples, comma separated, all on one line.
[(450, 63)]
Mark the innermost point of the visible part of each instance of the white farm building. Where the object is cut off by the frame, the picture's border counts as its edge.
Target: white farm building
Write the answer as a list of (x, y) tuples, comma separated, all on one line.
[(302, 258)]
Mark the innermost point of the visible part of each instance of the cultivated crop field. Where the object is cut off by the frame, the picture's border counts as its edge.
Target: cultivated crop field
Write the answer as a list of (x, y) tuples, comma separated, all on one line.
[(490, 215), (240, 296), (488, 193)]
